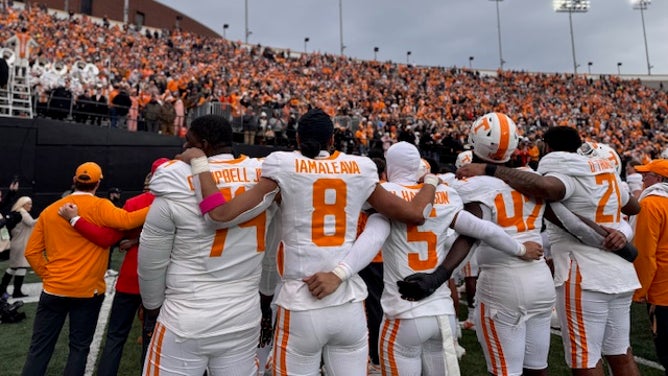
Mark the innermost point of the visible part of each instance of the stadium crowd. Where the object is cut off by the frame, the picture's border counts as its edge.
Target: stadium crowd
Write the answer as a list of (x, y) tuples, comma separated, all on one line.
[(358, 107), (183, 71)]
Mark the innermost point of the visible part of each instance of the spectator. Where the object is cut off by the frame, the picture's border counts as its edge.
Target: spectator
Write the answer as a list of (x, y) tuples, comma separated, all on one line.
[(250, 126), (151, 114), (167, 116), (72, 271), (18, 265), (120, 107), (652, 263), (127, 300)]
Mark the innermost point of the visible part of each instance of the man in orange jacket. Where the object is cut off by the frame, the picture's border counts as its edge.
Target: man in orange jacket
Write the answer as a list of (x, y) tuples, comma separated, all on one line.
[(652, 261), (72, 271)]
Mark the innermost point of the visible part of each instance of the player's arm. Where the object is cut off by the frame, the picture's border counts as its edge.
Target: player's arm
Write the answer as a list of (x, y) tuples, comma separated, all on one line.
[(361, 253), (242, 208), (471, 225), (548, 188), (155, 248), (632, 207), (121, 219), (102, 236), (590, 233), (410, 212)]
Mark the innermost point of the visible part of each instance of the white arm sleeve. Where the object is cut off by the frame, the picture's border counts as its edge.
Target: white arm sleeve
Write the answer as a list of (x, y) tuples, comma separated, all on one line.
[(155, 247), (470, 225), (626, 229), (577, 227), (269, 277), (366, 246)]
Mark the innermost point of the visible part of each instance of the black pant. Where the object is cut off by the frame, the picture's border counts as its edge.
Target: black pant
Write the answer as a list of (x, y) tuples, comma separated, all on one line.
[(659, 319), (123, 311), (49, 319), (372, 275)]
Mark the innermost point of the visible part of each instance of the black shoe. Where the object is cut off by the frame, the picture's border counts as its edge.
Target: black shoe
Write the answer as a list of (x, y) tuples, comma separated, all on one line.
[(19, 294)]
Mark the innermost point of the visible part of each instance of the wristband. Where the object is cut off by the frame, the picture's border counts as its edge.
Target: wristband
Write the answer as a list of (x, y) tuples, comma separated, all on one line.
[(431, 179), (490, 169), (73, 220), (341, 272), (523, 250), (211, 202), (199, 165)]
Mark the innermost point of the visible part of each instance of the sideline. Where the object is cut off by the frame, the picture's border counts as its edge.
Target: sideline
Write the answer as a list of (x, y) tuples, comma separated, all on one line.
[(100, 329)]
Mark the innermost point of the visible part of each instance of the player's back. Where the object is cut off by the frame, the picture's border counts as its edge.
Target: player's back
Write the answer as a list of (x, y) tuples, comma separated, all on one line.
[(593, 191), (208, 265), (320, 203), (518, 215), (413, 249)]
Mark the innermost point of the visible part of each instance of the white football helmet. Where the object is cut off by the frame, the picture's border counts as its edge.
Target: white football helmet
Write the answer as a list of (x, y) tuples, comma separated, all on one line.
[(596, 150), (464, 158), (494, 137)]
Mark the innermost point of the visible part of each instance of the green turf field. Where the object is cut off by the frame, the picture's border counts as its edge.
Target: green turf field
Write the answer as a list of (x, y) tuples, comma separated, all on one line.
[(16, 339)]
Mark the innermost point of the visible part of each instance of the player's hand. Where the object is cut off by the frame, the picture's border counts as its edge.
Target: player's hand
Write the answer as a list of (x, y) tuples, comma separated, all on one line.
[(471, 169), (615, 239), (189, 154), (14, 186), (416, 286), (534, 251), (266, 324), (68, 211), (322, 284), (126, 244)]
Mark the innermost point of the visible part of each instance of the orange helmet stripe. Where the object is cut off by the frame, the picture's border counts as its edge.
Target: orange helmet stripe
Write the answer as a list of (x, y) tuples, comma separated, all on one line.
[(504, 138)]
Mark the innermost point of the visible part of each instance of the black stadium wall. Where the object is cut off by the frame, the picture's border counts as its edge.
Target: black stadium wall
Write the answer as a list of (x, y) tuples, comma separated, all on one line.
[(44, 154)]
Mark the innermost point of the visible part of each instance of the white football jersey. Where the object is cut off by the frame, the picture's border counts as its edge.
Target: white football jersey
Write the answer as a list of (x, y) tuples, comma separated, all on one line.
[(207, 278), (321, 200), (518, 215), (593, 190), (413, 249)]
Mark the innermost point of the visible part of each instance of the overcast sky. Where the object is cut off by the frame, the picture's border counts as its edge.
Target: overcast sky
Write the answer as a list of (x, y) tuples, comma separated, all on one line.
[(447, 32)]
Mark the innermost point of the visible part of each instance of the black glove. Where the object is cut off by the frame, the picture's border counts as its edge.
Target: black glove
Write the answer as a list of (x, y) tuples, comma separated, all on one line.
[(628, 252), (266, 324), (417, 286), (420, 285)]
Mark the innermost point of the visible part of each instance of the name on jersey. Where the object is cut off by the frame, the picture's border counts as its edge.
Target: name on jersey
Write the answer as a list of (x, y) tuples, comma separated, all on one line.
[(303, 166), (230, 175), (597, 165), (439, 198)]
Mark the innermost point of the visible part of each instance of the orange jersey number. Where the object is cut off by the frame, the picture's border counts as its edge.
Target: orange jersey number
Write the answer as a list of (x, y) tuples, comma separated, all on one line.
[(519, 220), (332, 207), (414, 235), (259, 222), (612, 187)]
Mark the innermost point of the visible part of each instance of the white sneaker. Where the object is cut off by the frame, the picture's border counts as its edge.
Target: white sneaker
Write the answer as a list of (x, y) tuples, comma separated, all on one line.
[(373, 369), (111, 273), (554, 320), (460, 351)]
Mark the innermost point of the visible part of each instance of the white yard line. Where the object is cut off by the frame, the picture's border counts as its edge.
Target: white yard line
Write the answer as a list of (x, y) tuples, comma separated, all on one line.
[(102, 321)]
